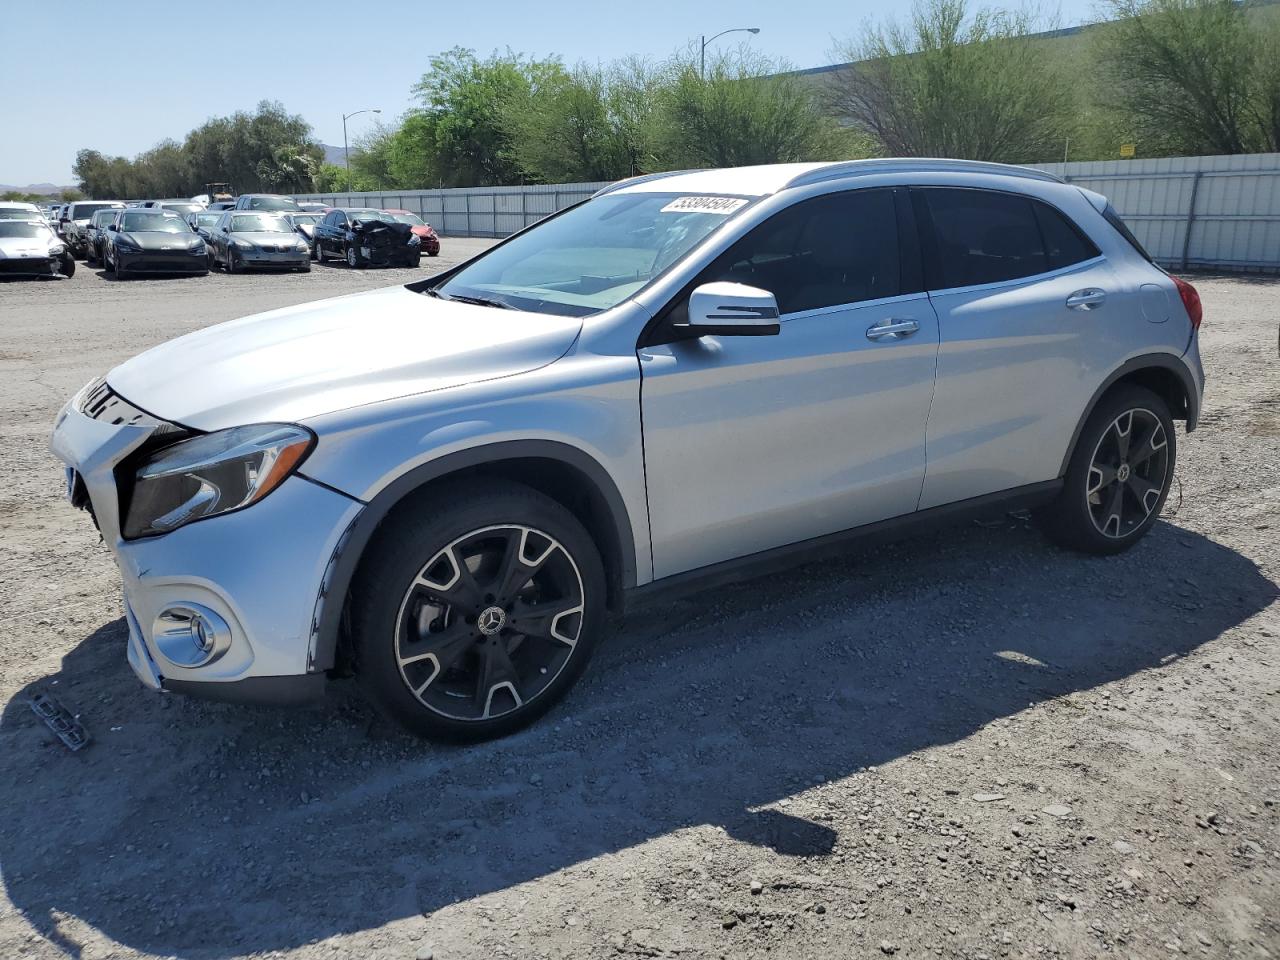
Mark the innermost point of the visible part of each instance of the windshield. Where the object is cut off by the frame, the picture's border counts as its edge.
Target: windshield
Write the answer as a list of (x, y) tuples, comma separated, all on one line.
[(182, 207), (18, 213), (410, 218), (103, 217), (272, 203), (153, 223), (370, 214), (305, 218), (83, 211), (29, 231), (259, 223), (593, 256), (207, 219)]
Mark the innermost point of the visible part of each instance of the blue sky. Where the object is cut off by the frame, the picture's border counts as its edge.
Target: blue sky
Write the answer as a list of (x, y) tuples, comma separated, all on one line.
[(57, 52)]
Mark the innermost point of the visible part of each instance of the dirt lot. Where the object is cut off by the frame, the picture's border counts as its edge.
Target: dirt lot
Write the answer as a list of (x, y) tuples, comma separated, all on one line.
[(969, 744)]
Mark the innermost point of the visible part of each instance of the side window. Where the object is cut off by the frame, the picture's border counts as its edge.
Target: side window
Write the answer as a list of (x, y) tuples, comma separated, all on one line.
[(831, 250), (982, 237), (1064, 244)]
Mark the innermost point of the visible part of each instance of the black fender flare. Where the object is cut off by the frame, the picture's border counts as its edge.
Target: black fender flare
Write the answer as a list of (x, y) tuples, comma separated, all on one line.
[(327, 621), (1164, 361)]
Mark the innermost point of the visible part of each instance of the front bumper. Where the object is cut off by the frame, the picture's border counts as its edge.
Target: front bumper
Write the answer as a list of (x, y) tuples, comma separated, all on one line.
[(30, 266), (260, 569), (280, 259), (162, 261)]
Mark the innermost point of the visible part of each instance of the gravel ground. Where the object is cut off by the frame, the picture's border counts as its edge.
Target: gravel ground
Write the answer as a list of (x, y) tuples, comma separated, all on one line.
[(969, 744)]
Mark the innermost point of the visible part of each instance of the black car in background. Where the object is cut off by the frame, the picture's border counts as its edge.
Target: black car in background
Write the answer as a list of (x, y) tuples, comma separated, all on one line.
[(152, 240), (95, 234), (365, 237)]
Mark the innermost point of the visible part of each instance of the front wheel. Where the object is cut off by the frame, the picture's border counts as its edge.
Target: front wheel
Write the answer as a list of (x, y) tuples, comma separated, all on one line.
[(233, 261), (470, 620), (354, 260), (1118, 477), (67, 266)]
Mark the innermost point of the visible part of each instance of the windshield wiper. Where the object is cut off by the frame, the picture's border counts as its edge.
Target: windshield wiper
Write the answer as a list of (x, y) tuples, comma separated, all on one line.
[(480, 301)]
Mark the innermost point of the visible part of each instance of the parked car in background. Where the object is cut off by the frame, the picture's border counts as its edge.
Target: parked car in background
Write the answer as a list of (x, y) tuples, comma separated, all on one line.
[(151, 241), (96, 234), (183, 207), (363, 237), (30, 248), (220, 205), (425, 233), (55, 218), (20, 210), (243, 239), (271, 202), (311, 206), (75, 218), (305, 225), (203, 223)]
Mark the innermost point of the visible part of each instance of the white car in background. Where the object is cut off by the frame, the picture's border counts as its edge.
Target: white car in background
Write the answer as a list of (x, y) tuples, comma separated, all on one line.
[(29, 248)]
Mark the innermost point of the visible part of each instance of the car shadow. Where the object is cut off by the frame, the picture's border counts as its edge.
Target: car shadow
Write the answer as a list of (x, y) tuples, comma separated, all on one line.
[(196, 827)]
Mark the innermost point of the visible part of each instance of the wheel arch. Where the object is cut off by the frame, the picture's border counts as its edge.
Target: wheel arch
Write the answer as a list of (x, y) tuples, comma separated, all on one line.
[(1162, 373), (565, 473)]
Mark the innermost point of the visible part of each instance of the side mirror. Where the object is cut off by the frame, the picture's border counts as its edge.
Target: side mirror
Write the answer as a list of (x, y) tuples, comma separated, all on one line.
[(111, 227), (726, 309), (226, 229)]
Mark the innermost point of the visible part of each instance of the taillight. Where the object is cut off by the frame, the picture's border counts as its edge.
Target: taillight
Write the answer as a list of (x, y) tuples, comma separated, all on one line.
[(1190, 300)]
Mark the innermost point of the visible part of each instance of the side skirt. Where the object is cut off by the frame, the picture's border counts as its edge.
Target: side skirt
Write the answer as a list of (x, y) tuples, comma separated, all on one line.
[(817, 548)]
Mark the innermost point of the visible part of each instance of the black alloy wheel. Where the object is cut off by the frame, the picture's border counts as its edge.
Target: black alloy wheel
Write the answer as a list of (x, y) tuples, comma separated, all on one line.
[(499, 605), (1118, 476)]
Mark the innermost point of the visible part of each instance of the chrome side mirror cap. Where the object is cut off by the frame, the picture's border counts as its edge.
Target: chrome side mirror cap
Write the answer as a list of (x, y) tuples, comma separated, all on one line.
[(725, 309)]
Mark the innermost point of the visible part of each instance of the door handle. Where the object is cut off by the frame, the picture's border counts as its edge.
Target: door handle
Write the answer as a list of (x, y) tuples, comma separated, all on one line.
[(1090, 298), (892, 330)]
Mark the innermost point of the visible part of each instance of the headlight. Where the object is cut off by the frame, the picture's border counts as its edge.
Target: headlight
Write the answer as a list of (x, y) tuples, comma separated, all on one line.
[(212, 474), (198, 248), (413, 238), (242, 244), (57, 250)]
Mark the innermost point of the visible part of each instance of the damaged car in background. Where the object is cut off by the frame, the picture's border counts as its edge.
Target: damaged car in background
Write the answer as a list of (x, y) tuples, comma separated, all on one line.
[(30, 248), (366, 238)]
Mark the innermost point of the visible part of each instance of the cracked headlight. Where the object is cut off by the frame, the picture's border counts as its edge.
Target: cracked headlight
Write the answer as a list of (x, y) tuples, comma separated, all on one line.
[(213, 474)]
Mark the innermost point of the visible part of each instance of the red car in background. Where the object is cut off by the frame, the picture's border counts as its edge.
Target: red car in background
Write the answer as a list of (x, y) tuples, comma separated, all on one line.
[(421, 229)]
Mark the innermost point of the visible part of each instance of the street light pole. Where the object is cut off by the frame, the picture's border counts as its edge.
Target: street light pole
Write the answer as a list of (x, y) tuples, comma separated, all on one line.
[(702, 59), (346, 156)]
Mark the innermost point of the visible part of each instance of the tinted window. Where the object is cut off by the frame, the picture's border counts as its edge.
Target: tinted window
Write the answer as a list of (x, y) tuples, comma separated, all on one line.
[(831, 250), (987, 237), (1121, 228), (1064, 244)]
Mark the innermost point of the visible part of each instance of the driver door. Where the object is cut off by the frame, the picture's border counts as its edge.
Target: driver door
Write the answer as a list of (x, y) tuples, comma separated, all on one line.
[(756, 442)]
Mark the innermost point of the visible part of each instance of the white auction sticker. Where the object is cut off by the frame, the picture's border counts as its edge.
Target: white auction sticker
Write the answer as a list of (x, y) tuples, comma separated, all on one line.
[(720, 205)]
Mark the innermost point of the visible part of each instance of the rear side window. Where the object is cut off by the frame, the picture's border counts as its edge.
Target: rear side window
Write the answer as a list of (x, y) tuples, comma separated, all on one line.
[(831, 250), (982, 236), (1113, 218)]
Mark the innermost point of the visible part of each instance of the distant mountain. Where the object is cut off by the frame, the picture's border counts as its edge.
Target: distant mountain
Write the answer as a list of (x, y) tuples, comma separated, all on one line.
[(332, 154), (45, 189)]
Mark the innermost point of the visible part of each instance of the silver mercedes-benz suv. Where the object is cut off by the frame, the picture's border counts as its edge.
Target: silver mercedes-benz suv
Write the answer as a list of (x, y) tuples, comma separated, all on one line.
[(446, 488)]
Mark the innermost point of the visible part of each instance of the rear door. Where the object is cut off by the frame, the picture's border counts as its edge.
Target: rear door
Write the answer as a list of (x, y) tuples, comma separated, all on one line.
[(757, 442), (1024, 302)]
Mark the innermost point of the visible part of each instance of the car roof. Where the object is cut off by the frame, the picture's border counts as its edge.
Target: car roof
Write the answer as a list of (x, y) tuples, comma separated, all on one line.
[(766, 179), (18, 205)]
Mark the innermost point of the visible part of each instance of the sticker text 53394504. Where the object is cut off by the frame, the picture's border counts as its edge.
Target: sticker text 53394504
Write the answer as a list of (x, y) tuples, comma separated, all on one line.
[(720, 205)]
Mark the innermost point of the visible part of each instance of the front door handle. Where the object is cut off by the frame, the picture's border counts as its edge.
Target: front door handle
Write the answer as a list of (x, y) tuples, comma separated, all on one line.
[(892, 330), (1090, 298)]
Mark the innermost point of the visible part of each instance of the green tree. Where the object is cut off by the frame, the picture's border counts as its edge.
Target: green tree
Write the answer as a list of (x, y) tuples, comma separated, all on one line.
[(950, 82), (1184, 73), (458, 136), (744, 111), (594, 123)]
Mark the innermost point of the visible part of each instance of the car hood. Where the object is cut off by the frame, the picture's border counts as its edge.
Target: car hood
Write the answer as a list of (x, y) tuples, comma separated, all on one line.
[(267, 238), (156, 240), (19, 247), (312, 359)]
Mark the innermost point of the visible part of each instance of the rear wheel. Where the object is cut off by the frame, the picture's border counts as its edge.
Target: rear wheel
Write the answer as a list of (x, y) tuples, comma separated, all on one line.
[(1118, 477), (471, 620)]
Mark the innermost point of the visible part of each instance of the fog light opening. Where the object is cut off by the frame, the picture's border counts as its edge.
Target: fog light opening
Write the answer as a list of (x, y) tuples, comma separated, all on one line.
[(190, 635)]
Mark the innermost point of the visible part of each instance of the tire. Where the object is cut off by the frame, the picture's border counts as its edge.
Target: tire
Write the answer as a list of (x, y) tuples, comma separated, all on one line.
[(354, 260), (1118, 477), (495, 679), (306, 269), (116, 272), (68, 266), (89, 257), (316, 256), (233, 264)]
